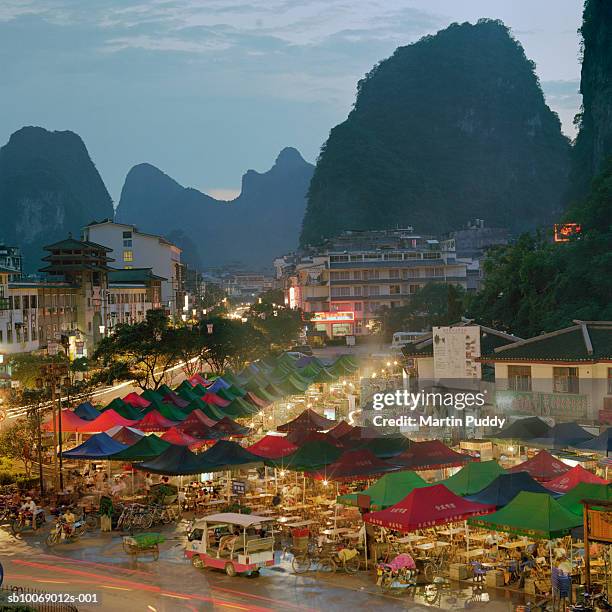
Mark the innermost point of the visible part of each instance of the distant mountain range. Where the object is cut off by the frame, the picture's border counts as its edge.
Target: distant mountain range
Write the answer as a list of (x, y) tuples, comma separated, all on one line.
[(249, 232), (450, 128), (48, 187)]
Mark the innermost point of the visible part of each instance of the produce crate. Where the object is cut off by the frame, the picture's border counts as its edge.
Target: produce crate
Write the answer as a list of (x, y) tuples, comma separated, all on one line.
[(494, 579), (459, 571)]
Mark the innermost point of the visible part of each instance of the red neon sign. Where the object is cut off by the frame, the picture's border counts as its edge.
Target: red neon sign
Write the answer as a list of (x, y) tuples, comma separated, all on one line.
[(333, 317), (564, 232)]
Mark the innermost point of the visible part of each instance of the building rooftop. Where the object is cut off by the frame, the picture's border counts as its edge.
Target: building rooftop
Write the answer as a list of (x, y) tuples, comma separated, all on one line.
[(73, 243), (586, 341), (132, 275), (134, 229), (490, 339)]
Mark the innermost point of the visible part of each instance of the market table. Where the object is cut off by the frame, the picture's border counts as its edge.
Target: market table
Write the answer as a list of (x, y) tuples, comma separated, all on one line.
[(300, 523), (337, 531), (432, 545), (411, 537), (472, 554), (287, 519), (451, 531), (515, 544)]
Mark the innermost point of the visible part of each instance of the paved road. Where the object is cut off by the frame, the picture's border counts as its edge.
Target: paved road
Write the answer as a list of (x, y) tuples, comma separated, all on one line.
[(97, 564)]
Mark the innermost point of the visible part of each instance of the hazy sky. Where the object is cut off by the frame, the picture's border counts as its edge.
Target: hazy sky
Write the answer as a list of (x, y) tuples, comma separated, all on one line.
[(205, 89)]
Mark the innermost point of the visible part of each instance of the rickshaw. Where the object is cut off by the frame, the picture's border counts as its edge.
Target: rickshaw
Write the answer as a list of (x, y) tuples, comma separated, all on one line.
[(235, 543)]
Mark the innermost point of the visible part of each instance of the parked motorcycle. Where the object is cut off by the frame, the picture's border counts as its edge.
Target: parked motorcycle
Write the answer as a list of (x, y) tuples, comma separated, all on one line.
[(24, 521)]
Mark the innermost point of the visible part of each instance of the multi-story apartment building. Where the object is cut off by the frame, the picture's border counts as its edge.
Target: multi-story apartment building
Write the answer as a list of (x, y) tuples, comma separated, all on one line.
[(10, 258), (246, 285), (346, 284), (133, 249)]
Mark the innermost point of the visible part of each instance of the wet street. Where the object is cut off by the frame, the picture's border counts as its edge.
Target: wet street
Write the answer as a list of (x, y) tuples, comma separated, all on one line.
[(98, 565)]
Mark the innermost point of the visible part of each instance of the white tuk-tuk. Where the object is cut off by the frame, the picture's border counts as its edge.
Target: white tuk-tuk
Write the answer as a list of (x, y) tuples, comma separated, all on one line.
[(236, 543)]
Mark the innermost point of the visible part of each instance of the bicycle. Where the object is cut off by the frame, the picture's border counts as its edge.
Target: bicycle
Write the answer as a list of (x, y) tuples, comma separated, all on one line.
[(435, 566)]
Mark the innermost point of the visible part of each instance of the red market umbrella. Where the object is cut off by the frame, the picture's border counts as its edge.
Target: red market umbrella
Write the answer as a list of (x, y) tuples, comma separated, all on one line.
[(155, 421), (256, 400), (70, 423), (354, 464), (133, 399), (106, 420), (542, 467), (198, 425), (217, 400), (196, 379), (300, 437), (566, 482), (177, 437), (427, 507), (429, 455), (341, 429), (308, 420), (272, 447)]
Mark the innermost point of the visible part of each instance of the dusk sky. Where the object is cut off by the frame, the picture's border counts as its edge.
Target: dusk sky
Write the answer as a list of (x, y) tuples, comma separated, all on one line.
[(205, 89)]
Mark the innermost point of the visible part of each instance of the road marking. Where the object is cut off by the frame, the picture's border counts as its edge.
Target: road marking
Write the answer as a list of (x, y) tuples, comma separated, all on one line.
[(227, 605), (152, 608), (108, 586), (51, 581), (175, 596)]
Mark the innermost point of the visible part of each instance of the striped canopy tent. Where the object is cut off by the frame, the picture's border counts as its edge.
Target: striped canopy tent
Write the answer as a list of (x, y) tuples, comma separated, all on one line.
[(429, 455), (427, 507), (543, 467), (572, 478)]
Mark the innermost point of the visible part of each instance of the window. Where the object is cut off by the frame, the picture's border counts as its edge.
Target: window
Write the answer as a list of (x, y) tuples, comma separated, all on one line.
[(32, 301), (413, 288), (340, 275), (359, 307), (609, 381), (565, 380), (128, 255), (9, 333), (127, 243), (519, 378), (374, 290), (356, 290), (394, 273), (17, 302), (127, 235), (357, 275), (340, 291), (394, 289)]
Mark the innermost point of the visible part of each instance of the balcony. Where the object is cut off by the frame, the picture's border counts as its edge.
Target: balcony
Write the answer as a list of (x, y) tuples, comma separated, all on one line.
[(562, 406)]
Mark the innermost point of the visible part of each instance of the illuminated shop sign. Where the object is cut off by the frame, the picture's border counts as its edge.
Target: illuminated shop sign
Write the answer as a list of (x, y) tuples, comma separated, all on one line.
[(564, 232), (332, 317)]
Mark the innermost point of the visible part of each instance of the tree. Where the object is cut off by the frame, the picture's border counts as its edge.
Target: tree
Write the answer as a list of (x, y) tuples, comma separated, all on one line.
[(213, 296), (17, 442), (143, 351), (536, 285), (280, 325), (433, 304)]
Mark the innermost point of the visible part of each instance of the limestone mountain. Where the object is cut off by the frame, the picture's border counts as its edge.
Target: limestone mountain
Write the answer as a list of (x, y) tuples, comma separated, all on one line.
[(447, 129), (48, 187), (594, 141), (260, 224)]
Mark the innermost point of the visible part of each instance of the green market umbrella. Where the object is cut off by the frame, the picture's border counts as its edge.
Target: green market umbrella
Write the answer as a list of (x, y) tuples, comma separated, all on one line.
[(585, 490), (146, 448), (386, 491), (536, 515), (473, 477)]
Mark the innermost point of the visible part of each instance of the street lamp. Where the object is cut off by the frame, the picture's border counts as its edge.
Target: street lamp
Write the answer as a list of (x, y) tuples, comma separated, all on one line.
[(101, 329)]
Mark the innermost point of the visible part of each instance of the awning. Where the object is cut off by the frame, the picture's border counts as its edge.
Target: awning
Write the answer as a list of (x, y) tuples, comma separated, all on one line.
[(308, 420), (429, 455), (427, 507), (225, 455), (602, 443), (227, 427), (572, 500), (352, 465), (136, 400), (383, 447), (536, 515), (106, 420), (299, 437), (473, 477), (386, 491), (311, 456), (525, 429), (154, 421), (147, 448), (341, 429), (543, 467), (70, 422), (198, 425), (563, 435), (174, 461), (125, 435), (272, 447), (177, 437), (86, 411), (506, 487), (100, 446), (566, 482)]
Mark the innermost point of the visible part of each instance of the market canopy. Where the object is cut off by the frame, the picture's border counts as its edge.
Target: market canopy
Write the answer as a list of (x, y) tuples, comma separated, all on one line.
[(430, 455), (125, 435), (225, 455), (227, 427), (543, 467), (70, 422), (175, 461), (198, 425), (136, 400), (572, 478), (177, 437), (146, 448), (602, 443), (299, 437), (425, 507), (506, 487), (100, 446), (386, 491), (563, 435), (311, 456), (341, 429), (272, 447), (214, 399), (536, 515), (585, 490), (383, 447), (106, 420), (525, 429), (127, 411), (86, 411), (154, 421), (354, 464), (308, 420), (473, 477)]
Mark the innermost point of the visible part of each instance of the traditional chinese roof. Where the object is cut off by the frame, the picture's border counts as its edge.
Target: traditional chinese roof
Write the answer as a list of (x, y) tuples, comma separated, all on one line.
[(586, 341)]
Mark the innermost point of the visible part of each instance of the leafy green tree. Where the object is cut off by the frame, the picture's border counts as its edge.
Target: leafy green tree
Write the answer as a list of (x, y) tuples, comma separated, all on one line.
[(17, 442), (142, 352), (281, 326)]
